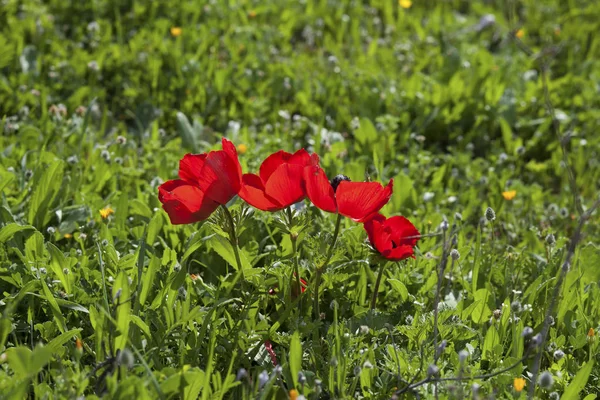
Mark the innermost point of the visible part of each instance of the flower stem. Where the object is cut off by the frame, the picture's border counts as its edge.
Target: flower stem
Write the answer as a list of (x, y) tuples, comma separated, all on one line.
[(233, 239), (376, 288), (320, 269), (294, 239)]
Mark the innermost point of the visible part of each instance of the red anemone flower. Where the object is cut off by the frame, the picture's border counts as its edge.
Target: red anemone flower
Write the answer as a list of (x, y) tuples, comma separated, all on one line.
[(184, 202), (394, 238), (356, 200), (303, 286), (279, 183), (206, 181)]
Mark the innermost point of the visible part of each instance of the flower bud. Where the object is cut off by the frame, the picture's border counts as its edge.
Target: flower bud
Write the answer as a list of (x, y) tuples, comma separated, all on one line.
[(263, 378), (125, 358), (241, 374), (546, 380), (527, 331), (301, 378), (454, 254), (550, 240), (490, 214), (536, 340), (462, 356), (444, 226), (559, 354), (433, 370)]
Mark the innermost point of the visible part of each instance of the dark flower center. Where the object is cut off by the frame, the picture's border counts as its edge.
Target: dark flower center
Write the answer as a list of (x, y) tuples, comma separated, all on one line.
[(336, 181)]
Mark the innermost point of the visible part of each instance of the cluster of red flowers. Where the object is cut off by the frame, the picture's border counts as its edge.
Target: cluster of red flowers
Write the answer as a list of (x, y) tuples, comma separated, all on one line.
[(212, 179)]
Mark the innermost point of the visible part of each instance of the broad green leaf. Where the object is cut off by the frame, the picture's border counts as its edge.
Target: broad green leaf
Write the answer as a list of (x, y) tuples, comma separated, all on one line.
[(120, 295), (57, 264), (148, 278), (61, 339), (400, 288), (58, 316), (223, 248), (295, 357), (366, 133), (578, 382), (44, 193), (491, 340), (8, 231)]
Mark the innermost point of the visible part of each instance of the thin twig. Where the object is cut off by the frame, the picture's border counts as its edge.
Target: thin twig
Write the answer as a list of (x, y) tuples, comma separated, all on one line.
[(431, 379)]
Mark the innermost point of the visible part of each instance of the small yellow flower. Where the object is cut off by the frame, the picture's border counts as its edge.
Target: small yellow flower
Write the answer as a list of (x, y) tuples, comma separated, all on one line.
[(193, 277), (242, 148), (68, 236), (252, 14), (591, 333), (509, 195), (294, 394), (176, 31), (519, 384), (106, 211), (520, 33), (557, 31), (405, 3)]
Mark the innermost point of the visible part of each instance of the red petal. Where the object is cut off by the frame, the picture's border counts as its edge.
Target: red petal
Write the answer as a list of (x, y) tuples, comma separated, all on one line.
[(314, 160), (272, 162), (399, 253), (275, 160), (220, 177), (285, 185), (318, 189), (269, 348), (185, 203), (359, 200), (229, 148), (301, 157), (403, 231), (190, 166), (369, 226), (253, 193)]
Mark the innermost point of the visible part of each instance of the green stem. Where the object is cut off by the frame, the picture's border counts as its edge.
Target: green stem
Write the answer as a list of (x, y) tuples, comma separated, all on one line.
[(294, 239), (233, 239), (320, 269), (376, 288)]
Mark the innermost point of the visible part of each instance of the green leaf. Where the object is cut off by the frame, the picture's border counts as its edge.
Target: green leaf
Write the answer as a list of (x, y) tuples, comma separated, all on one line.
[(7, 53), (223, 248), (295, 357), (44, 193), (123, 307), (366, 133), (5, 330), (57, 263), (61, 339), (482, 311), (26, 363), (400, 288), (148, 278), (578, 382), (187, 133), (507, 135), (7, 232), (60, 319), (491, 340)]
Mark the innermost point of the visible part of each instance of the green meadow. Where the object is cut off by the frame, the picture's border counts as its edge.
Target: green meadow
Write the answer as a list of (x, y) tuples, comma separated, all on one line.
[(484, 113)]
